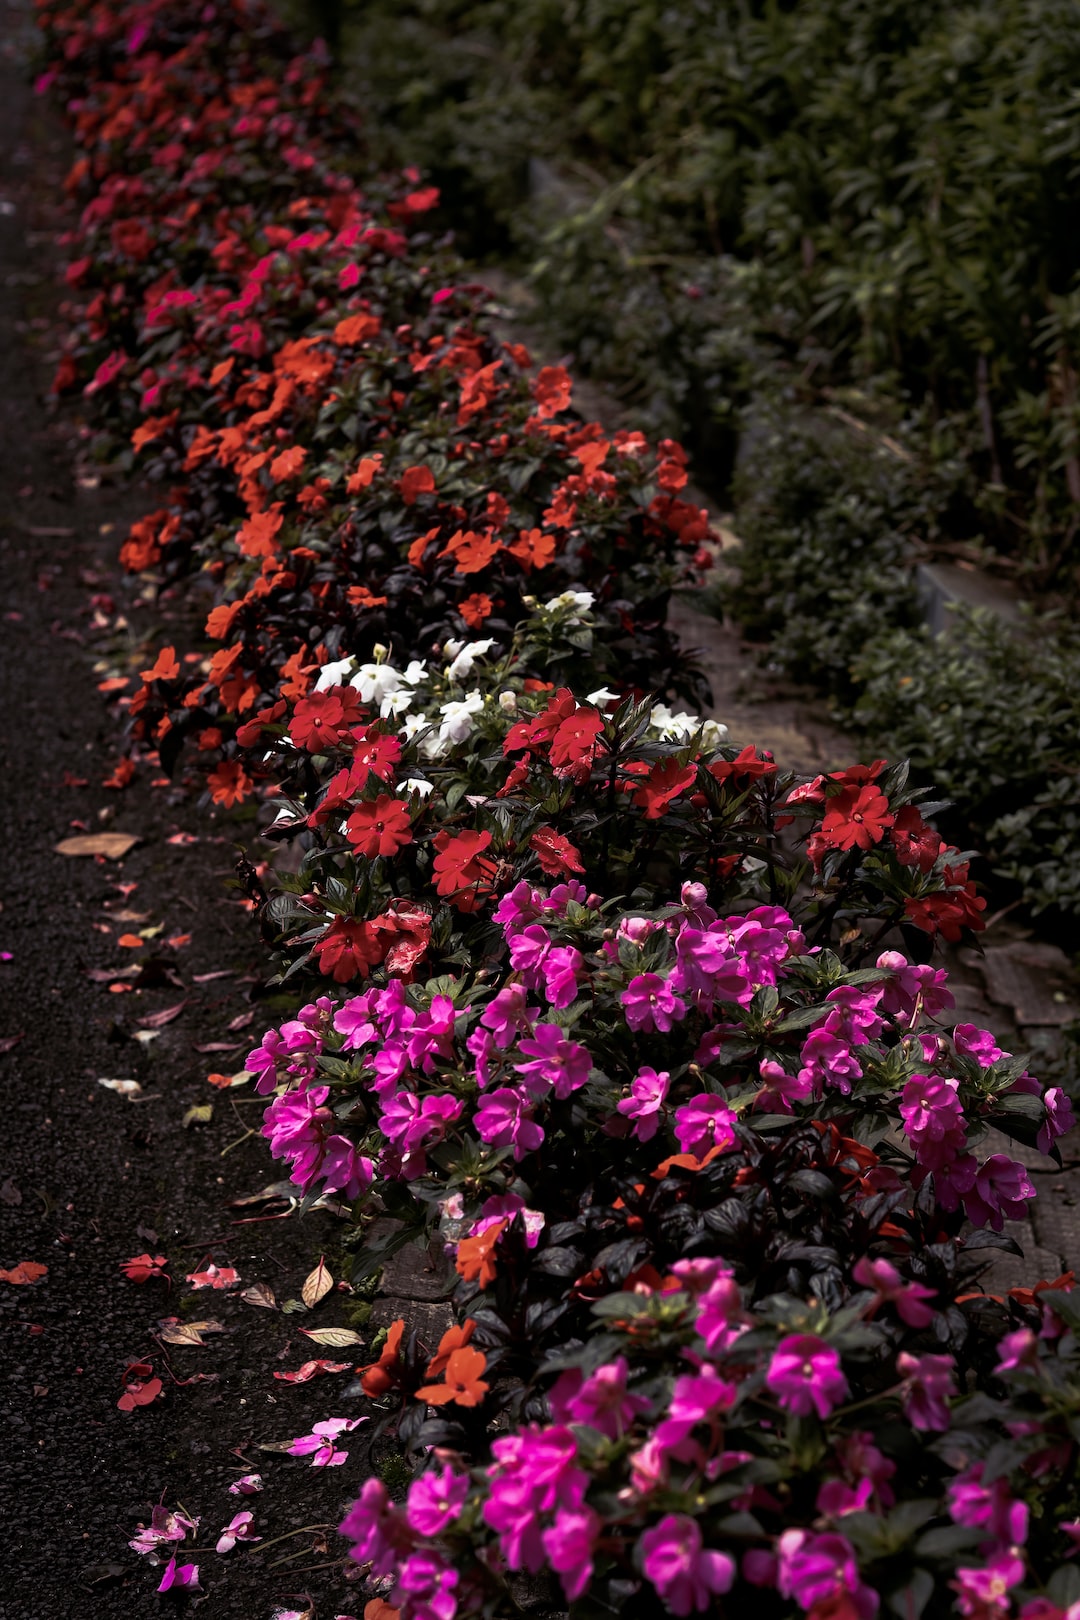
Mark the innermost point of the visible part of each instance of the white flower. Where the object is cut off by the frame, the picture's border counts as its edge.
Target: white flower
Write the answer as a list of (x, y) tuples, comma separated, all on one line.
[(397, 704), (601, 695), (467, 656), (579, 601), (681, 727), (415, 672), (333, 674), (416, 784), (457, 722), (713, 733), (508, 702), (375, 682), (414, 723), (452, 647)]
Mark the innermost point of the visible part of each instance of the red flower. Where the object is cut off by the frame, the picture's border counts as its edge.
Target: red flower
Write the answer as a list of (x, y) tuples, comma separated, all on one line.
[(323, 719), (666, 780), (416, 481), (947, 914), (552, 390), (746, 764), (555, 853), (915, 843), (573, 747), (349, 948), (475, 609), (529, 733), (408, 925), (856, 817), (461, 870), (379, 827), (141, 1267)]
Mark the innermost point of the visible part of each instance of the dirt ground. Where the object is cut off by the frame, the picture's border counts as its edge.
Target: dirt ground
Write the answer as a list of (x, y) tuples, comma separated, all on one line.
[(88, 1178)]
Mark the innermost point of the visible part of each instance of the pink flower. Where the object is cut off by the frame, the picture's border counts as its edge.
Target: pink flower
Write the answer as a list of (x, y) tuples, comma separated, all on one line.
[(933, 1119), (720, 1318), (344, 1169), (696, 1398), (560, 969), (427, 1586), (1001, 1190), (239, 1528), (553, 1061), (647, 1092), (914, 984), (603, 1401), (686, 1575), (820, 1569), (927, 1384), (379, 1531), (182, 1577), (534, 1472), (828, 1060), (649, 1003), (508, 1015), (1059, 1118), (883, 1277), (163, 1529), (503, 1119), (1015, 1350), (805, 1375), (984, 1593), (780, 1089), (977, 1043), (705, 1122), (499, 1206), (319, 1444), (246, 1485), (569, 1546), (991, 1507), (436, 1500)]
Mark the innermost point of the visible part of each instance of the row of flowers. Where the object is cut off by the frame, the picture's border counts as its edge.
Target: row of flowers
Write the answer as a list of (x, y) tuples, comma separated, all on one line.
[(612, 1014)]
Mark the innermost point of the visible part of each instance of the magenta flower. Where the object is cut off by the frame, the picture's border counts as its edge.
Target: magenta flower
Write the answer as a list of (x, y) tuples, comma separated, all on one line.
[(971, 1041), (534, 1472), (499, 1206), (927, 1384), (686, 1575), (319, 1444), (828, 1061), (708, 968), (890, 1288), (780, 1089), (379, 1531), (344, 1169), (429, 1585), (246, 1485), (697, 1398), (1016, 1350), (819, 1569), (509, 1015), (703, 1123), (560, 969), (164, 1529), (933, 1119), (518, 908), (240, 1527), (1001, 1190), (836, 1497), (569, 1545), (984, 1593), (353, 1020), (1059, 1118), (805, 1375), (854, 1016), (649, 1003), (436, 1500), (912, 985), (553, 1061), (991, 1507), (603, 1401), (179, 1577), (503, 1119), (528, 949), (647, 1092), (720, 1318)]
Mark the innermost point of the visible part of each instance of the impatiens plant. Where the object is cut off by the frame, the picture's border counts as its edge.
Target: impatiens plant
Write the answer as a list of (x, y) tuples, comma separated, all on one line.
[(640, 1031)]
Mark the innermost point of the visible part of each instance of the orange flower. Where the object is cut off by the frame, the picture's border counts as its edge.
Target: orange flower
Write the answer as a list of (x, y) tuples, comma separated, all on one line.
[(464, 1384), (256, 537), (167, 667), (364, 474), (470, 551), (360, 596), (455, 1338), (355, 328), (533, 548), (476, 1255), (475, 609), (381, 1375), (152, 429), (288, 462), (552, 390), (229, 784)]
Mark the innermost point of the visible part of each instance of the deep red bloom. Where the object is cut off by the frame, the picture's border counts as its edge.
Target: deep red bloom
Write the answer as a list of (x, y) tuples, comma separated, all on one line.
[(665, 781), (947, 914), (462, 872), (349, 948), (746, 764), (573, 747), (856, 817), (379, 827), (555, 853), (323, 719), (552, 390), (915, 843), (416, 481)]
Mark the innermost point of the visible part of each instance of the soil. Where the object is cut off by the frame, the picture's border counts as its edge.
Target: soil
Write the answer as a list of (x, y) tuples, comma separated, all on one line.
[(88, 1178)]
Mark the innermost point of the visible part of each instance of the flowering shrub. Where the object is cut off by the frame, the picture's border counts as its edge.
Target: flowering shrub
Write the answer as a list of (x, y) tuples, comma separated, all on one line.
[(710, 1164)]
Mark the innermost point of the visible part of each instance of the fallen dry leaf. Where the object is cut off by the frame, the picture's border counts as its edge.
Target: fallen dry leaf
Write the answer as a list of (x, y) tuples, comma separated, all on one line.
[(173, 1331), (333, 1338), (260, 1294), (113, 845), (198, 1114), (27, 1271), (316, 1285), (155, 1020)]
